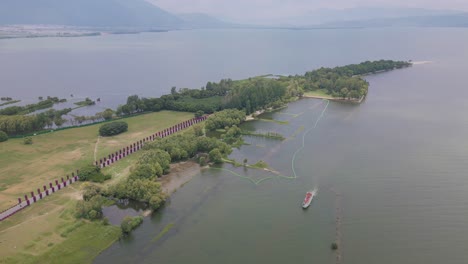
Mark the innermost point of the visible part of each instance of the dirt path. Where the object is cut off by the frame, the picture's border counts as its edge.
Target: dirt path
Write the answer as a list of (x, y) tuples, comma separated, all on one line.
[(96, 148)]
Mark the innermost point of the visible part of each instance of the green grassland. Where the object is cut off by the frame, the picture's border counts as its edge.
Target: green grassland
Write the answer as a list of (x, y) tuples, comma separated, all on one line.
[(322, 93), (48, 229)]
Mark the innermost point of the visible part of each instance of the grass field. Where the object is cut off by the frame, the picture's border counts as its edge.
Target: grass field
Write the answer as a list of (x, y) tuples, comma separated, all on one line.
[(47, 229), (321, 93)]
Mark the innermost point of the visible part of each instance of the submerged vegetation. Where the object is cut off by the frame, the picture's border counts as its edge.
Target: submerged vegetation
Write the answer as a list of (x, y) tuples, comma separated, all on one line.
[(22, 110), (86, 102), (273, 135), (130, 223), (9, 102)]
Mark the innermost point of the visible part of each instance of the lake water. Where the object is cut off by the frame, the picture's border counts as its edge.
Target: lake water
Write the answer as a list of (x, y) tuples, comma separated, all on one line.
[(398, 161)]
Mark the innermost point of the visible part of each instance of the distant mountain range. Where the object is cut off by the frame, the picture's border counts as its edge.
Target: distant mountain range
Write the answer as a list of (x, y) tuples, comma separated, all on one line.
[(199, 20), (325, 16), (87, 13), (456, 20), (140, 14)]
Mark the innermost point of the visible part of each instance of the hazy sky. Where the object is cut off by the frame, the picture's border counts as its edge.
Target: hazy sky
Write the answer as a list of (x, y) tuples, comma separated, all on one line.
[(268, 10)]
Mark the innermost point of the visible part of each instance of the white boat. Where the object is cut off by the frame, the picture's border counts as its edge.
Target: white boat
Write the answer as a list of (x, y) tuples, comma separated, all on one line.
[(308, 198)]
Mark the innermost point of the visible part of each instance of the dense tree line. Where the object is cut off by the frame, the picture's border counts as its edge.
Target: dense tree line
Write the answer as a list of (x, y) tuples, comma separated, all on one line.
[(225, 118), (248, 95), (257, 93), (141, 185), (346, 81), (22, 124), (251, 94)]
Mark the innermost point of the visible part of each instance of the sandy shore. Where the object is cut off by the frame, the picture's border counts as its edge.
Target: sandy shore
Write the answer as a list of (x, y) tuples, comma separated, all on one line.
[(421, 62), (181, 173), (253, 115), (318, 97), (354, 101)]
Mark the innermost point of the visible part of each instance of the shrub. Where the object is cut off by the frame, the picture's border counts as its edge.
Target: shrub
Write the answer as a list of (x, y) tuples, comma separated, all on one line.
[(90, 191), (130, 223), (27, 141), (114, 128), (216, 156), (91, 209), (3, 136), (93, 173), (199, 113), (105, 221), (202, 161), (334, 246)]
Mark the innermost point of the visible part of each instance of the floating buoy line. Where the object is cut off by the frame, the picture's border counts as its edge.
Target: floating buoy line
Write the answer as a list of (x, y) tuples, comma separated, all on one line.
[(293, 160)]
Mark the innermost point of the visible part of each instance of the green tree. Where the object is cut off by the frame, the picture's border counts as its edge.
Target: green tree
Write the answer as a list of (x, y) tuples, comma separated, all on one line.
[(90, 191), (130, 223), (344, 92), (202, 161), (3, 136), (198, 130), (107, 114), (156, 201), (156, 159), (91, 209), (199, 113), (59, 121), (216, 156)]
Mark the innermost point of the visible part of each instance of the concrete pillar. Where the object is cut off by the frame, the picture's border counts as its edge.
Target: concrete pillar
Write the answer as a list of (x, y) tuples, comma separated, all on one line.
[(19, 200), (39, 192), (33, 196), (26, 199)]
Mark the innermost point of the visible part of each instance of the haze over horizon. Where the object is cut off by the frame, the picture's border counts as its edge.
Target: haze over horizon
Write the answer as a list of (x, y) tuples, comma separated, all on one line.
[(282, 11)]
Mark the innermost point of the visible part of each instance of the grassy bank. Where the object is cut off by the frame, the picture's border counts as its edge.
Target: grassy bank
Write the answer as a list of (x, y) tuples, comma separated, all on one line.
[(321, 93), (48, 229)]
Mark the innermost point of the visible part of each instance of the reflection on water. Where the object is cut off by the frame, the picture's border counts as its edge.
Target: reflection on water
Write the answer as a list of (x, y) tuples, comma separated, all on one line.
[(122, 208)]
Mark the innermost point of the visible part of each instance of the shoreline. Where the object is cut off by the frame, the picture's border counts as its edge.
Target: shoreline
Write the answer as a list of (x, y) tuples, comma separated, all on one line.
[(181, 173), (334, 99)]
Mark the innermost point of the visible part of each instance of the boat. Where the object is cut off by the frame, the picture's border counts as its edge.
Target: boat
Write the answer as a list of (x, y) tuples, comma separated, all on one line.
[(308, 198)]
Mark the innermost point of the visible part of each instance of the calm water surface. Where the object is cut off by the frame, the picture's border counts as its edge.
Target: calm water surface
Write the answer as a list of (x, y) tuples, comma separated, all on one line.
[(399, 160)]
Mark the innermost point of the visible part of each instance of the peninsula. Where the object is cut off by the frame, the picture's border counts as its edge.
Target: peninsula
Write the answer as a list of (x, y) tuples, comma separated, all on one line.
[(67, 221)]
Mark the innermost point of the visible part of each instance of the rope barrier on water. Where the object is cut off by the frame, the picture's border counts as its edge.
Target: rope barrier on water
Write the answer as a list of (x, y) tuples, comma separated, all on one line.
[(292, 160), (338, 220)]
